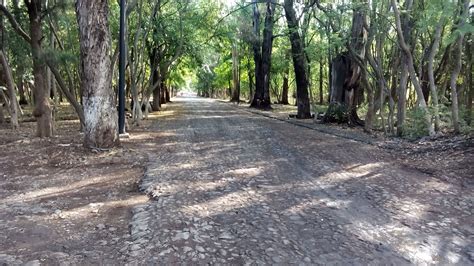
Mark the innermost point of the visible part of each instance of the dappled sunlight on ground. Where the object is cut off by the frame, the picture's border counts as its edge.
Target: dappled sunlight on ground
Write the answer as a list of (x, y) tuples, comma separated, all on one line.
[(227, 203), (264, 191), (61, 204)]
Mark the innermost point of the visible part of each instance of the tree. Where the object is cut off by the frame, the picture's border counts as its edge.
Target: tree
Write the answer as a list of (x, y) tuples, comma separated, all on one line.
[(346, 74), (42, 112), (13, 104), (411, 68), (286, 77), (457, 64), (101, 129), (262, 55), (5, 67), (235, 74), (300, 63)]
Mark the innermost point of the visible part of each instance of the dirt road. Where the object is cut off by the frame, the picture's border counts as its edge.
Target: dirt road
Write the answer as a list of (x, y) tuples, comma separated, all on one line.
[(233, 187)]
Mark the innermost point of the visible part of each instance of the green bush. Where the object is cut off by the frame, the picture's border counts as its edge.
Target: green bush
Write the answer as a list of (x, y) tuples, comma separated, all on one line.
[(415, 124)]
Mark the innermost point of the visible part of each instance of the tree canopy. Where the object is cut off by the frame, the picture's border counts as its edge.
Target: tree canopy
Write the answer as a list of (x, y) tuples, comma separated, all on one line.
[(403, 67)]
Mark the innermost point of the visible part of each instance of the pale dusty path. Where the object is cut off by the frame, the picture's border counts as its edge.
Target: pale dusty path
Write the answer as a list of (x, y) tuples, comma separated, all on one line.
[(231, 187)]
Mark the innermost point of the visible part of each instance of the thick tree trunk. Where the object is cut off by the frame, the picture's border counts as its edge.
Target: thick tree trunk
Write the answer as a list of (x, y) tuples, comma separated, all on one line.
[(156, 104), (101, 121), (162, 89), (262, 56), (167, 94), (299, 62), (21, 92), (346, 70), (42, 111)]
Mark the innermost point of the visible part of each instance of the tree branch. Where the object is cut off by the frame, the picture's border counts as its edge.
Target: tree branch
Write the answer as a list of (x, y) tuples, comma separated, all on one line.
[(15, 24)]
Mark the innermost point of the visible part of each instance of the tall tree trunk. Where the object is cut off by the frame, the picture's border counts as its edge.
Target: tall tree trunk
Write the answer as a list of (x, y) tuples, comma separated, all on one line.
[(406, 23), (330, 59), (469, 70), (162, 88), (431, 78), (286, 83), (167, 93), (406, 49), (262, 56), (11, 91), (299, 62), (20, 69), (402, 97), (7, 73), (235, 74), (321, 82), (101, 120), (42, 111), (156, 105), (267, 45), (251, 85), (457, 62)]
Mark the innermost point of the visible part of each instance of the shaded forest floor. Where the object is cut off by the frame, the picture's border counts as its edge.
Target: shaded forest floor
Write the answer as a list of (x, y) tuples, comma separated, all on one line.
[(60, 202)]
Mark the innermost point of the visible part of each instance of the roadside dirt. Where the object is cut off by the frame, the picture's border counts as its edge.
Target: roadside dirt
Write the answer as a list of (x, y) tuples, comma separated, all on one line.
[(61, 203)]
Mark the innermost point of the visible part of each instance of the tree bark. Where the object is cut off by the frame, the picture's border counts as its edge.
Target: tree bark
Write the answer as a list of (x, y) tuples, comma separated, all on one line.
[(299, 62), (20, 70), (167, 93), (162, 89), (431, 78), (250, 75), (345, 90), (321, 82), (42, 111), (235, 74), (11, 91), (286, 83), (457, 65), (469, 70), (7, 73), (412, 71), (156, 104), (262, 56), (101, 121)]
